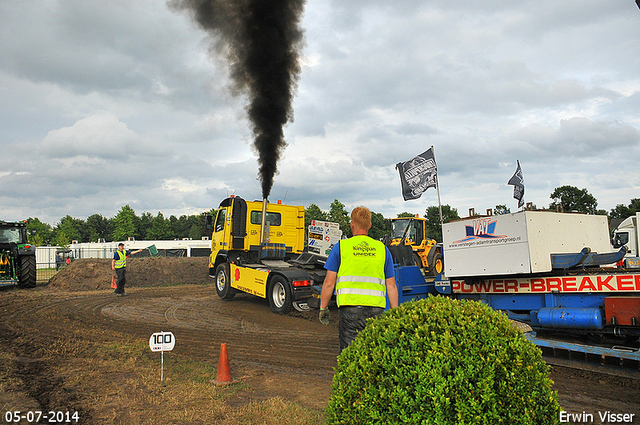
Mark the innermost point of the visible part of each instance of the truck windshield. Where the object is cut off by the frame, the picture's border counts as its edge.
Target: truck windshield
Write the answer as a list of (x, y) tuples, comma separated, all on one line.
[(399, 227), (10, 235), (620, 239)]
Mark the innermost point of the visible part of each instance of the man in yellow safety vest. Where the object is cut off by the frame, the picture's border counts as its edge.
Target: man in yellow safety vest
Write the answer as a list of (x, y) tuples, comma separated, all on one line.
[(360, 269), (119, 265)]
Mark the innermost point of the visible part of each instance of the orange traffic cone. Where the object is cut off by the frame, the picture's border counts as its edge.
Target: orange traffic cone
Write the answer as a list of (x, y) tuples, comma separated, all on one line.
[(224, 374)]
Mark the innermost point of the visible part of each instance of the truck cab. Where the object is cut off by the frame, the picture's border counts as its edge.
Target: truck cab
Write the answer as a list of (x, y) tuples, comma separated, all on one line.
[(238, 226), (257, 248), (627, 234)]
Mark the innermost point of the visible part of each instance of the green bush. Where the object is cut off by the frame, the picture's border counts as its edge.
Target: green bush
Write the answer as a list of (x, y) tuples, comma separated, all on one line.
[(442, 361)]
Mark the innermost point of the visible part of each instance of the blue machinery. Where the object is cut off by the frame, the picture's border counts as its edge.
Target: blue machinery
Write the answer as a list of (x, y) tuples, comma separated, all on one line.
[(606, 314)]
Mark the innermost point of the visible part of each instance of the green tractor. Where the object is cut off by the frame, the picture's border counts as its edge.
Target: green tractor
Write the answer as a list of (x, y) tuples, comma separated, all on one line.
[(17, 256)]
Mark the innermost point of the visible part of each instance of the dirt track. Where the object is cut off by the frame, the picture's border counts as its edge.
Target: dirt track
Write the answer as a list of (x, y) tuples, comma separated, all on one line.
[(291, 356), (276, 353)]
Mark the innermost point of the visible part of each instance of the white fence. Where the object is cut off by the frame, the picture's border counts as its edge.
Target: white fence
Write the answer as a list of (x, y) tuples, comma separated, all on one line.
[(46, 255)]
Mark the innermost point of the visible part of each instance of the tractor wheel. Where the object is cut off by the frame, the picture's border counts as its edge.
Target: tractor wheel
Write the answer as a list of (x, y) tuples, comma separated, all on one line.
[(437, 265), (223, 282), (279, 294), (27, 278)]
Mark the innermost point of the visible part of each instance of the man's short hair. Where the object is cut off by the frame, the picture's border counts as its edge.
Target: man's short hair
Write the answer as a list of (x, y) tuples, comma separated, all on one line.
[(120, 244), (361, 218)]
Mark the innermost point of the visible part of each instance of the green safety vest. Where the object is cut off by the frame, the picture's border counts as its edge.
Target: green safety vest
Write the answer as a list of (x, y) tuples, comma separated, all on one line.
[(361, 279), (122, 262)]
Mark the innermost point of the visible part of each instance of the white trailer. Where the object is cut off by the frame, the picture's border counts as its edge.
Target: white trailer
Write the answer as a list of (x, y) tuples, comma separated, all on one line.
[(552, 271), (519, 243)]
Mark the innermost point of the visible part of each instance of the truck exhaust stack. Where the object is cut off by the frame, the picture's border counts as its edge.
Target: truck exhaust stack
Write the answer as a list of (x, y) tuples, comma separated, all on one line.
[(263, 238)]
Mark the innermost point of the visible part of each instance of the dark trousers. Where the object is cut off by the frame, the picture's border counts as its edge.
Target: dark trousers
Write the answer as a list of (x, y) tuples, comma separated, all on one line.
[(122, 279), (352, 319)]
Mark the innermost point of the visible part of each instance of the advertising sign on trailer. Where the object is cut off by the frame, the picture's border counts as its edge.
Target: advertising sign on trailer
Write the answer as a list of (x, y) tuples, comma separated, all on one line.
[(323, 235), (519, 243)]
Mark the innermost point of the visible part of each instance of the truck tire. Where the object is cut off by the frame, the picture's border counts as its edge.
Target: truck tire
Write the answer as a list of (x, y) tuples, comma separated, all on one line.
[(437, 265), (417, 260), (223, 282), (279, 294), (27, 278)]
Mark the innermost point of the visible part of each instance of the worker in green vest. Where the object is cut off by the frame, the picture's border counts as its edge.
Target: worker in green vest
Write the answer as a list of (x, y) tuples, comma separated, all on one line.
[(119, 265), (360, 270)]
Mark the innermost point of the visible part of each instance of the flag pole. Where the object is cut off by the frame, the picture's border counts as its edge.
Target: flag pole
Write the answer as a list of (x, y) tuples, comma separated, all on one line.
[(438, 190)]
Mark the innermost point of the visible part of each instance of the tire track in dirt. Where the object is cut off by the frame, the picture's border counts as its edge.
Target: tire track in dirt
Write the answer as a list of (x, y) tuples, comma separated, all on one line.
[(201, 322), (291, 356), (32, 383)]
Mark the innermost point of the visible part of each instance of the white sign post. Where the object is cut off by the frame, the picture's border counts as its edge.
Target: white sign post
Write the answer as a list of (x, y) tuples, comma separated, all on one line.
[(162, 341)]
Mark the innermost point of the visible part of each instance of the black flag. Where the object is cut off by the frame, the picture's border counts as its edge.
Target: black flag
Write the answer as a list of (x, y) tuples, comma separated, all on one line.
[(418, 174), (518, 185)]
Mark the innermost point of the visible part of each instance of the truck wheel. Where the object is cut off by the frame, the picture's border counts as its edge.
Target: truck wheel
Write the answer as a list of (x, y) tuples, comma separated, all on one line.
[(27, 278), (437, 266), (300, 306), (223, 282), (280, 298)]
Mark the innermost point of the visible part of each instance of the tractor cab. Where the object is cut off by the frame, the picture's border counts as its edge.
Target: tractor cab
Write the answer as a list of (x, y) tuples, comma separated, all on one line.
[(412, 231), (17, 256)]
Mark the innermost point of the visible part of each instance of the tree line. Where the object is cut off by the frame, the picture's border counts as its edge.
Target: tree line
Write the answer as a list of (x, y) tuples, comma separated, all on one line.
[(126, 223), (564, 198)]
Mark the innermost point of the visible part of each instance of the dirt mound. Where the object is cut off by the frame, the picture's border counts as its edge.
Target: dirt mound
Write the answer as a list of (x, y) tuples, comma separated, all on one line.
[(91, 273)]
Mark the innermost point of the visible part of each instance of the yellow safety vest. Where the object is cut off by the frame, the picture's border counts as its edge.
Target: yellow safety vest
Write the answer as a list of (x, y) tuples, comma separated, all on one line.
[(122, 262), (361, 278)]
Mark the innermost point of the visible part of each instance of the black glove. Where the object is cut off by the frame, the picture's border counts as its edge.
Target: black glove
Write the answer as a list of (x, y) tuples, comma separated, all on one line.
[(324, 316)]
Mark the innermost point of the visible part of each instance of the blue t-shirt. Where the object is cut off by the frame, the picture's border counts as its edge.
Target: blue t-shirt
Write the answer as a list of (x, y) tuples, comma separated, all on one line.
[(333, 262), (117, 257)]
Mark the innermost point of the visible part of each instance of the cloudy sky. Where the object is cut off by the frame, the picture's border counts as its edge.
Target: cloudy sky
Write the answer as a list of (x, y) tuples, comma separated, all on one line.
[(108, 103)]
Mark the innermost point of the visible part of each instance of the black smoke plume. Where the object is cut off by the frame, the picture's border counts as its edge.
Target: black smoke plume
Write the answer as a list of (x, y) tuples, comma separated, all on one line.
[(261, 40)]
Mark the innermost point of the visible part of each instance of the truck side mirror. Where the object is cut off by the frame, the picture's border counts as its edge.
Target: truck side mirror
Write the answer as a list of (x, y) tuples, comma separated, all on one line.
[(208, 222)]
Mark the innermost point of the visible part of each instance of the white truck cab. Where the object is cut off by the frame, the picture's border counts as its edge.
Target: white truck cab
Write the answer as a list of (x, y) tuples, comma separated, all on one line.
[(627, 234)]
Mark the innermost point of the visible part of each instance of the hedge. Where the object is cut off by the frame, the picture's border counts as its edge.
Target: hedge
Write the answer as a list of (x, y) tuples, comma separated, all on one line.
[(442, 361)]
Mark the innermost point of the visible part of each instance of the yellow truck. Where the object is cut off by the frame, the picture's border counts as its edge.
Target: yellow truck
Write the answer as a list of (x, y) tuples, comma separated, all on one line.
[(412, 231), (257, 248)]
